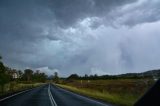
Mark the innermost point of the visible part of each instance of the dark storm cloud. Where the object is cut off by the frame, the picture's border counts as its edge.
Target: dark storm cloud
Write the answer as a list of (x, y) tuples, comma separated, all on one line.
[(22, 25), (23, 19), (68, 36), (68, 12), (128, 12)]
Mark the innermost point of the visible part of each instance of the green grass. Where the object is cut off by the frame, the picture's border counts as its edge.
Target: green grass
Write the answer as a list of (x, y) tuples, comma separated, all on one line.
[(120, 92), (125, 100), (14, 87)]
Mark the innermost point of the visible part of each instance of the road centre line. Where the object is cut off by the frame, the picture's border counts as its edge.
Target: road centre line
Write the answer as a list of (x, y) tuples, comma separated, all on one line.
[(53, 103)]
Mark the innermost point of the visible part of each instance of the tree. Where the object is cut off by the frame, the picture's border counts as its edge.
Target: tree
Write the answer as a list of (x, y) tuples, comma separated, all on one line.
[(4, 77), (55, 77), (42, 77), (85, 76), (28, 73), (36, 76), (2, 67), (20, 73), (73, 77), (39, 77)]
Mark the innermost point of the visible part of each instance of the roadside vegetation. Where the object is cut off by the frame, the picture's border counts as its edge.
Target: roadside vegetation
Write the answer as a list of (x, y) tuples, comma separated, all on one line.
[(119, 91), (12, 80), (122, 90), (13, 87)]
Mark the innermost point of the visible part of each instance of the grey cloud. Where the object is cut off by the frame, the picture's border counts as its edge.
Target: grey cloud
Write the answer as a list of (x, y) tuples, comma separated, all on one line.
[(77, 36), (142, 11), (69, 12)]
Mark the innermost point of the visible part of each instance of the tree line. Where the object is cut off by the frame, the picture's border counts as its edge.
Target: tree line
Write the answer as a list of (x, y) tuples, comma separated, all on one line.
[(8, 75), (148, 75)]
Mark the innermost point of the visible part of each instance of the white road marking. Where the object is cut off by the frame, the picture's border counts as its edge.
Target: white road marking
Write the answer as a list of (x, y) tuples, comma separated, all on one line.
[(51, 97), (14, 95)]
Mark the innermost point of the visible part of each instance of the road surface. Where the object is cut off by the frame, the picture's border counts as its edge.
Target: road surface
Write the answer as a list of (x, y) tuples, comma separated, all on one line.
[(49, 95)]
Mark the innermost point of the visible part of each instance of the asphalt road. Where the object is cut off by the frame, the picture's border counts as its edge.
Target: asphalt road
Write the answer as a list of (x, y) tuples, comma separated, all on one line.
[(49, 95)]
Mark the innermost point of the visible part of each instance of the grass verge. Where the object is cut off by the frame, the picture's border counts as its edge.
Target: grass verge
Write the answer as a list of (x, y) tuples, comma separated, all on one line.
[(16, 87), (117, 99)]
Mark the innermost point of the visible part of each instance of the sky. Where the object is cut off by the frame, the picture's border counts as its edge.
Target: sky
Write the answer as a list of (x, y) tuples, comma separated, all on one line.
[(80, 36)]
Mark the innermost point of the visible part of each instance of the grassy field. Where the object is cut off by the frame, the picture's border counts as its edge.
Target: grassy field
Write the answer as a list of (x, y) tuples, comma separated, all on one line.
[(122, 92), (14, 87)]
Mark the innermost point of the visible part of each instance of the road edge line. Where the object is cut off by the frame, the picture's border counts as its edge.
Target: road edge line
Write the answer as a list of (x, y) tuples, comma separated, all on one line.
[(17, 94), (83, 96), (14, 95)]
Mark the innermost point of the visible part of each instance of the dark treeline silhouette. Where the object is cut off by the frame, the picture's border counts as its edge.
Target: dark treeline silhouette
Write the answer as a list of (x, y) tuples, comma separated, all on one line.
[(4, 77), (27, 75), (8, 75), (153, 74), (56, 78), (31, 76)]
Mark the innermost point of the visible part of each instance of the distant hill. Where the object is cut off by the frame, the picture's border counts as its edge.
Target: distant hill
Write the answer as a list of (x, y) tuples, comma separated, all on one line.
[(155, 74), (147, 74)]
